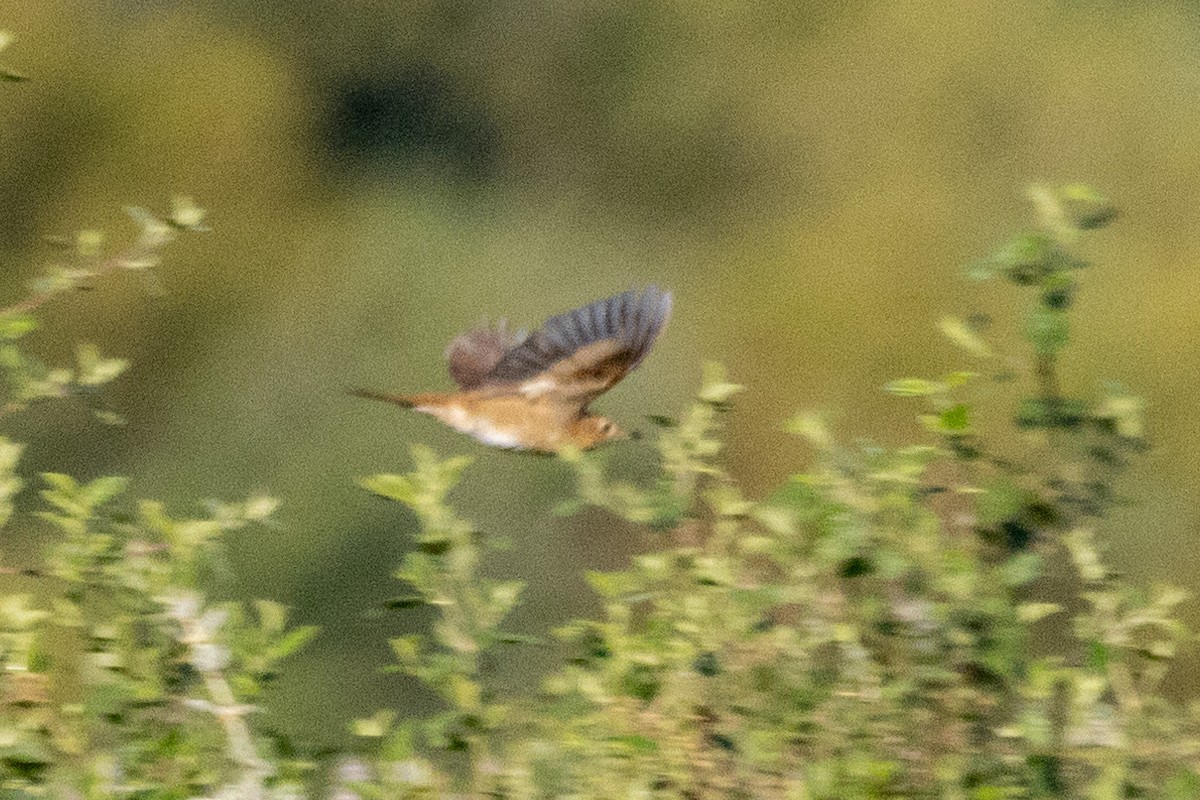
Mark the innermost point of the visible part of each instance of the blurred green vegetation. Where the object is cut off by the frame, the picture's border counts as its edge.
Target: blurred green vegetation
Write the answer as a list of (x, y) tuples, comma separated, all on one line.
[(807, 178)]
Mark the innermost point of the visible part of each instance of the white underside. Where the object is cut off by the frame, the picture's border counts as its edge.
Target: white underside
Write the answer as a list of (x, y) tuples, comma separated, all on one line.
[(496, 437), (477, 428)]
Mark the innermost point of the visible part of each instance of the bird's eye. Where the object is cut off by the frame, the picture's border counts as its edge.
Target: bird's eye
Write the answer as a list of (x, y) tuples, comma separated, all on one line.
[(606, 427)]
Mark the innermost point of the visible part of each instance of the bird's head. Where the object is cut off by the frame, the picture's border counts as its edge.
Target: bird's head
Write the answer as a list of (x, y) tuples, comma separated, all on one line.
[(589, 431)]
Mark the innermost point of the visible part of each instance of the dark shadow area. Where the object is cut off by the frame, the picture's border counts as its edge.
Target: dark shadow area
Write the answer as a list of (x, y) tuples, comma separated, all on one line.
[(413, 116)]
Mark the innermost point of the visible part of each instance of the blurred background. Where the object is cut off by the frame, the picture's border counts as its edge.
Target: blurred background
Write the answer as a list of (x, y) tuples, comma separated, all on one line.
[(809, 178)]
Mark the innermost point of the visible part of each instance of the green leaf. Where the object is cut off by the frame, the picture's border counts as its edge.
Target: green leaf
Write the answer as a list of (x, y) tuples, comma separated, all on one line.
[(89, 243), (1183, 785), (955, 379), (155, 234), (953, 421), (394, 487), (259, 507), (1028, 257), (18, 613), (16, 325), (1081, 542), (1167, 597), (568, 507), (450, 471), (272, 616), (398, 746), (981, 269), (10, 484), (95, 370), (641, 681), (101, 490), (1001, 500), (965, 336), (637, 743), (1125, 411), (715, 389), (60, 482), (375, 726), (607, 584), (407, 650), (1021, 569), (1030, 613), (811, 426), (503, 596), (707, 664), (110, 417), (1085, 207), (1048, 775), (186, 215), (1047, 330), (465, 693), (294, 640), (914, 387)]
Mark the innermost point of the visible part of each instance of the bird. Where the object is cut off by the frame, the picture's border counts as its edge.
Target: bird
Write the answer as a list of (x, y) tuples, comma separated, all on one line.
[(532, 392)]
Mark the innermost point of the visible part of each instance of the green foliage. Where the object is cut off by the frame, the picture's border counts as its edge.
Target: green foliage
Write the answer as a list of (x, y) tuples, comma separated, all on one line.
[(7, 74), (119, 676), (123, 667), (83, 260), (444, 574)]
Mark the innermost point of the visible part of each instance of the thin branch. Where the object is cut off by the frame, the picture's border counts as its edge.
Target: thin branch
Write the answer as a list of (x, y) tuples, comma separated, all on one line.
[(1124, 688), (136, 253), (1047, 377), (26, 572), (155, 234), (225, 706)]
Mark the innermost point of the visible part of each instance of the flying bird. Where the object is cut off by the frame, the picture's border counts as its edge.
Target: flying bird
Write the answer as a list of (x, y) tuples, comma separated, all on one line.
[(532, 392)]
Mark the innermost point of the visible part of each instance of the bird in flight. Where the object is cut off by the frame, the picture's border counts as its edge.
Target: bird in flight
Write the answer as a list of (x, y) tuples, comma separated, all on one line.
[(532, 392)]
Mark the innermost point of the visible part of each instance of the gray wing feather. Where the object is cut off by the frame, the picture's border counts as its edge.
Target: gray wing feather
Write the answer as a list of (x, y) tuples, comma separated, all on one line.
[(634, 319)]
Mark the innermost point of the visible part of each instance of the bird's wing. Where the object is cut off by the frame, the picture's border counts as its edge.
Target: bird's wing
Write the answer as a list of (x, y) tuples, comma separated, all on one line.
[(577, 355), (472, 355)]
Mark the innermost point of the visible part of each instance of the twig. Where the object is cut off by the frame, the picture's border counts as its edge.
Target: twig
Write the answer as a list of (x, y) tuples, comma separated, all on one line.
[(26, 572), (35, 301), (1047, 377), (1123, 687), (225, 706)]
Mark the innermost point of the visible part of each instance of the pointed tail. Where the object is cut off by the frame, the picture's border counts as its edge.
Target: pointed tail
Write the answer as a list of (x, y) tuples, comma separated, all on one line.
[(402, 400)]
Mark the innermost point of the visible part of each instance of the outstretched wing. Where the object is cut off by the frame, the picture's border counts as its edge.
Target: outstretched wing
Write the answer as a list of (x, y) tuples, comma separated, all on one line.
[(580, 354), (472, 355)]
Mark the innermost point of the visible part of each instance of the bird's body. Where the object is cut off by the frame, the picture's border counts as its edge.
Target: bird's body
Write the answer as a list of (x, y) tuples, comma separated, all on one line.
[(500, 419), (532, 393)]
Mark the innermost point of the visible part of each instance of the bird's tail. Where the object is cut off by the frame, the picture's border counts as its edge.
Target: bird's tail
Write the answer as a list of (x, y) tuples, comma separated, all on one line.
[(403, 400)]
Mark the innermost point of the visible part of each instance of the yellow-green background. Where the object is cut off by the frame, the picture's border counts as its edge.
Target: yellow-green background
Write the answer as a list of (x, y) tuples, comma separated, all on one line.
[(807, 177)]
